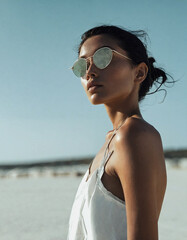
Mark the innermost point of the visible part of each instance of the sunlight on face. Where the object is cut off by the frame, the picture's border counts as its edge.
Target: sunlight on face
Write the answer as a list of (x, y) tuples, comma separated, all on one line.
[(115, 82)]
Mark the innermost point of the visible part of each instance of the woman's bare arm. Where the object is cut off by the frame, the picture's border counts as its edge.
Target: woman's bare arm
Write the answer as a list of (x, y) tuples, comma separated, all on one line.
[(138, 156)]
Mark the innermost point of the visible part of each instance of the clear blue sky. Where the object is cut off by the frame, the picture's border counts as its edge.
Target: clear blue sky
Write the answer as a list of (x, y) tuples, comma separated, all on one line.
[(44, 112)]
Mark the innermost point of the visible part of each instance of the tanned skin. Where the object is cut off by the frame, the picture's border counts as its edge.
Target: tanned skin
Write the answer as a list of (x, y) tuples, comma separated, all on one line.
[(136, 171)]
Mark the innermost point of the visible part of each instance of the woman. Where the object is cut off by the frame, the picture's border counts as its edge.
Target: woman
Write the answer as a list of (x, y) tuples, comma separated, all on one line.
[(121, 194)]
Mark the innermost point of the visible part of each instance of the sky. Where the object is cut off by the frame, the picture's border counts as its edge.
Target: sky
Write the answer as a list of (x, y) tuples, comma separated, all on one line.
[(44, 111)]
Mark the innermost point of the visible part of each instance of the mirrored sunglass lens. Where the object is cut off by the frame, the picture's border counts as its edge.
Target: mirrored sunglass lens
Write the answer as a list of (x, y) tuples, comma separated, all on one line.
[(102, 57), (79, 68)]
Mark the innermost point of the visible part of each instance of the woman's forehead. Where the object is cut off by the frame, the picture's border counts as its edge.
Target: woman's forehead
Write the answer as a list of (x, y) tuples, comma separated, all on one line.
[(93, 43)]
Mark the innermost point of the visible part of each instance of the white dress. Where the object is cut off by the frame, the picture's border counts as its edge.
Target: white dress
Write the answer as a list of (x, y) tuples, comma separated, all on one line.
[(97, 214)]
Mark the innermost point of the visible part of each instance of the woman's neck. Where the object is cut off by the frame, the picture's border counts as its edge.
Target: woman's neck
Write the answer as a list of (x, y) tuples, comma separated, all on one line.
[(118, 114)]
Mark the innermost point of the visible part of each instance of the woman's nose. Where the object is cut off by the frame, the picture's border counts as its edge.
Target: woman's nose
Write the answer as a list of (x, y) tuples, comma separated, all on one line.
[(91, 69)]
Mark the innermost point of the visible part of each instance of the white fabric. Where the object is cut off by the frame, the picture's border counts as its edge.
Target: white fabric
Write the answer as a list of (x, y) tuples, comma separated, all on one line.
[(97, 214)]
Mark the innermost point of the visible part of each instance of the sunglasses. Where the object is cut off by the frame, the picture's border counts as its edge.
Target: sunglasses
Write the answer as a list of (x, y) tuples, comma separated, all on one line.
[(101, 58)]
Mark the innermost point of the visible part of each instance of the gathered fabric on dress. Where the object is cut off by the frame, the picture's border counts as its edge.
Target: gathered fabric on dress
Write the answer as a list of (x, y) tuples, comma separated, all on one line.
[(96, 213)]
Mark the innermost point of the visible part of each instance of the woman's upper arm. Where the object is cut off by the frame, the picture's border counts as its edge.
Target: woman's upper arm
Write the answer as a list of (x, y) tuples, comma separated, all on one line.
[(136, 166)]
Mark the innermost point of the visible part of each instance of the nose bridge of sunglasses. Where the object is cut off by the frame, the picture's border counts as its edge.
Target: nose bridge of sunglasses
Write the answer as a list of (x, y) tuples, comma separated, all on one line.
[(89, 62)]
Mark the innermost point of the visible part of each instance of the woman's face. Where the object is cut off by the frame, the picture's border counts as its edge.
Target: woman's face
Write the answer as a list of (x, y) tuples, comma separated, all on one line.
[(116, 81)]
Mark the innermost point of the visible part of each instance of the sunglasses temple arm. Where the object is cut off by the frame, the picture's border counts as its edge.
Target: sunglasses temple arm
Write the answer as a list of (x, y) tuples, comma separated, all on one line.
[(122, 55)]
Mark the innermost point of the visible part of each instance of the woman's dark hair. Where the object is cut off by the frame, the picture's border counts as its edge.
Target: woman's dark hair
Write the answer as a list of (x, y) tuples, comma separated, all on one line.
[(136, 50)]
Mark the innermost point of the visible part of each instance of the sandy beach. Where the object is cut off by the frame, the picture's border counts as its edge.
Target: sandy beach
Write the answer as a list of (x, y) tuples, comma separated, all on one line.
[(39, 207)]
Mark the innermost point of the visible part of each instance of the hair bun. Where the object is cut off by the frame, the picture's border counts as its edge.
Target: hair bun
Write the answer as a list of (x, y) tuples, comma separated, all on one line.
[(151, 60)]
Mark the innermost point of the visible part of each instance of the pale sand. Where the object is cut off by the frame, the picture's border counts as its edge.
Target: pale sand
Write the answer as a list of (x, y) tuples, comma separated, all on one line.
[(39, 208)]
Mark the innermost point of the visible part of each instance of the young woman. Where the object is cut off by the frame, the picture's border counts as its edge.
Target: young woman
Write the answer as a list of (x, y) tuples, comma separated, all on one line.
[(121, 194)]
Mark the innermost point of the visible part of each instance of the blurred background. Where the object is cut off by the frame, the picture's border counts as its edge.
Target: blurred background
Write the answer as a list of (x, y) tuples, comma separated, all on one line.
[(44, 112), (45, 115)]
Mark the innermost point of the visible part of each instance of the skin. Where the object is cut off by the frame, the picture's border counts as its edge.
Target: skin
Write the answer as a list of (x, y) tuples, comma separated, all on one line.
[(135, 172)]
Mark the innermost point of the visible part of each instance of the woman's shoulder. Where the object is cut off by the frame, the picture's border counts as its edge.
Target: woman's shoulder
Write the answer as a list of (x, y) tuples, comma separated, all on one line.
[(137, 143), (136, 129)]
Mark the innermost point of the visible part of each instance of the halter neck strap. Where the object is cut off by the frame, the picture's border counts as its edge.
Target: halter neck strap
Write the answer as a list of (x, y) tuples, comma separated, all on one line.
[(107, 154)]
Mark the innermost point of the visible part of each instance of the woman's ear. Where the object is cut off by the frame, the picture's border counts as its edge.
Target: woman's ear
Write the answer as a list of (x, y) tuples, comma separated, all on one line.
[(141, 72)]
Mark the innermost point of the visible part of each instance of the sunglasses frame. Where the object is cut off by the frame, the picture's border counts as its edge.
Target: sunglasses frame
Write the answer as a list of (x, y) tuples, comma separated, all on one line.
[(112, 50)]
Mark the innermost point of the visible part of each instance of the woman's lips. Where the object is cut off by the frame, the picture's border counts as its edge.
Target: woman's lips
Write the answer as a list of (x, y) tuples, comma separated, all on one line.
[(94, 88)]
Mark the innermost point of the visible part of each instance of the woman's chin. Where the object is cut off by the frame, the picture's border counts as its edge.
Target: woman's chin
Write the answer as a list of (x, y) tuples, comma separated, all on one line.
[(95, 100)]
